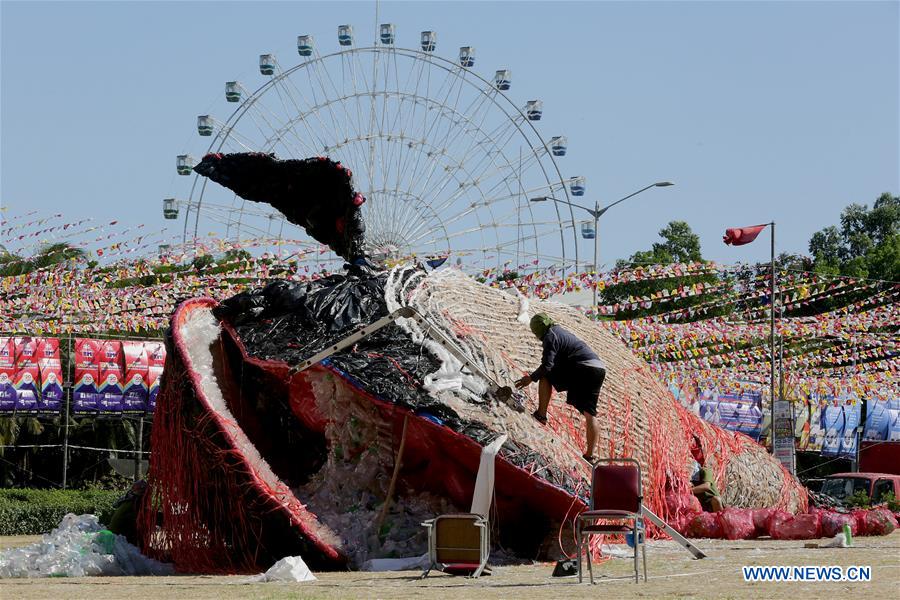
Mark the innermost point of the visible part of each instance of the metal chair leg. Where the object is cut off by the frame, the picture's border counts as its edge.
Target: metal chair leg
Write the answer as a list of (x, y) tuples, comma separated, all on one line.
[(644, 552), (634, 534), (578, 543), (590, 565)]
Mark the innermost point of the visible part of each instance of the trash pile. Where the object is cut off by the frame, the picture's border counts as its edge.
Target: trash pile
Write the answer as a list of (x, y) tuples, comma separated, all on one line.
[(742, 524), (80, 546)]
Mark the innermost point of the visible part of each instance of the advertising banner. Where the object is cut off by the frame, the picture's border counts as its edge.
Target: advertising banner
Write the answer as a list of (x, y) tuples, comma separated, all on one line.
[(736, 412), (816, 406), (136, 373), (51, 397), (85, 395), (783, 434), (800, 408), (851, 422), (878, 420), (156, 358), (7, 375), (833, 424), (112, 376), (27, 379), (894, 431)]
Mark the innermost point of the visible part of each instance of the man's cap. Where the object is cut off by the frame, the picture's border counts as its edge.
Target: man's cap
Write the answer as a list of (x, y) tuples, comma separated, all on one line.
[(540, 323)]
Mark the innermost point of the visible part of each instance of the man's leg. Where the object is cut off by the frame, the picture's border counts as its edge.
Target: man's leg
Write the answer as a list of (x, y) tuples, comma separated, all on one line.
[(545, 390), (590, 423)]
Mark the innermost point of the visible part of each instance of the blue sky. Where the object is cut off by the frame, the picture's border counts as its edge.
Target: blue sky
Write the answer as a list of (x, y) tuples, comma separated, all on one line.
[(757, 110)]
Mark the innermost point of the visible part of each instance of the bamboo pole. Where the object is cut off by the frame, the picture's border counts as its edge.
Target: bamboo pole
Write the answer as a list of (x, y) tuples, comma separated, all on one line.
[(390, 493)]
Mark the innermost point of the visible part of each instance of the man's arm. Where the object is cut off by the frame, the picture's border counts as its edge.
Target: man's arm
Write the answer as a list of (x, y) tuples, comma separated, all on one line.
[(703, 487)]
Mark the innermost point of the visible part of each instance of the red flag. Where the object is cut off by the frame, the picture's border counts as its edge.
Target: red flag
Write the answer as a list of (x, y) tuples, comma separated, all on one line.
[(738, 236)]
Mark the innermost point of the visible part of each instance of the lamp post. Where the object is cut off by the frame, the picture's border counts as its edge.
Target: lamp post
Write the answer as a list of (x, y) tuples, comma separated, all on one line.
[(596, 212)]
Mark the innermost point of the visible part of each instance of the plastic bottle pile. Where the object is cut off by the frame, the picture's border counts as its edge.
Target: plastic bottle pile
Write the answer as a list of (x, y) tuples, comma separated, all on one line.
[(80, 546)]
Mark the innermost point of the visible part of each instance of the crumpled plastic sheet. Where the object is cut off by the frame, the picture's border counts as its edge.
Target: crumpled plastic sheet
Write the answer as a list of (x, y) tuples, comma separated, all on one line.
[(289, 568), (79, 547), (411, 563)]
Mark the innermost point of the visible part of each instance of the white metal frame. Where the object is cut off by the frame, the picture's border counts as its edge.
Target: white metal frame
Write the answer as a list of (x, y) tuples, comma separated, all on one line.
[(445, 159)]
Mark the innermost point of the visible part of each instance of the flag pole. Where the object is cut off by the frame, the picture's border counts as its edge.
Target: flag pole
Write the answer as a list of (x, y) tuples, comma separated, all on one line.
[(772, 344)]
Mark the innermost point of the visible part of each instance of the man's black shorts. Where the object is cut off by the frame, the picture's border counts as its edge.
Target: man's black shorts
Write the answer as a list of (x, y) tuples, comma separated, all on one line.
[(585, 389)]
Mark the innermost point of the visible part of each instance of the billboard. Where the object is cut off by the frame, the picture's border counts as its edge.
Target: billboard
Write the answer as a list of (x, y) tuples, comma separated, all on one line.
[(833, 425), (156, 359), (136, 392), (85, 392), (7, 375), (878, 420), (27, 377), (733, 411), (50, 368), (110, 389)]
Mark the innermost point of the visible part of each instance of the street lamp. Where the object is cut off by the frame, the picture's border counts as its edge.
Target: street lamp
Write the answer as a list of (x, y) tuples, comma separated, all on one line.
[(596, 212)]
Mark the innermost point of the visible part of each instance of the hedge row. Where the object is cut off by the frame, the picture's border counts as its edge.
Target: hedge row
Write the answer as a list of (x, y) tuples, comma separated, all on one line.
[(30, 512)]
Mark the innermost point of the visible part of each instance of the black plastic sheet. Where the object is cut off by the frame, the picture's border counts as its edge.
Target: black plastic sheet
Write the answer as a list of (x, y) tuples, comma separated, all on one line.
[(314, 193)]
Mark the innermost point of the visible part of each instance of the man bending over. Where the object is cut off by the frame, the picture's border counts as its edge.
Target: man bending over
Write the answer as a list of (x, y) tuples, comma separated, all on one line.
[(568, 364)]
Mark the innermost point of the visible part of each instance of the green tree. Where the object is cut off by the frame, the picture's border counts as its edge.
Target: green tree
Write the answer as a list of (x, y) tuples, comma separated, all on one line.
[(678, 243), (47, 256), (867, 244)]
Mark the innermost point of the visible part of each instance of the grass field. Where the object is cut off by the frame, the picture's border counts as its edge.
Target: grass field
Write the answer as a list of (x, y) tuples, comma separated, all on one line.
[(673, 574)]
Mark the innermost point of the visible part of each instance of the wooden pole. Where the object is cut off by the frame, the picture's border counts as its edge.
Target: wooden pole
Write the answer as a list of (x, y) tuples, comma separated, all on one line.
[(390, 494)]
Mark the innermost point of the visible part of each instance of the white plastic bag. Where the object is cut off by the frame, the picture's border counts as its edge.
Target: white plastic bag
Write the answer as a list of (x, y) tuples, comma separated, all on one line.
[(289, 568)]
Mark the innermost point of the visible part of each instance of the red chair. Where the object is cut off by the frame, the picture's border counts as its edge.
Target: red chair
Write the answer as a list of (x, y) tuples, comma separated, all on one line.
[(616, 497)]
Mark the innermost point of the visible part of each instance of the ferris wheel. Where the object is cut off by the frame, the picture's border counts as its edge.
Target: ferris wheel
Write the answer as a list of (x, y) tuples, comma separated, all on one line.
[(450, 164)]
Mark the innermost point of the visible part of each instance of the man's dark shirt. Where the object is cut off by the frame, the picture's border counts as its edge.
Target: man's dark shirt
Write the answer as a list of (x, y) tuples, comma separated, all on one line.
[(563, 355)]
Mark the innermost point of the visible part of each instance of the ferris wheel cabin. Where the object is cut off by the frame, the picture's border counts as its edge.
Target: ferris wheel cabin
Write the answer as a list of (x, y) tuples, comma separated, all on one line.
[(534, 110), (429, 41), (184, 164), (204, 125), (467, 56), (164, 250), (587, 230), (558, 145), (387, 33), (305, 45), (267, 64), (345, 35), (503, 79), (576, 186), (232, 91), (170, 211)]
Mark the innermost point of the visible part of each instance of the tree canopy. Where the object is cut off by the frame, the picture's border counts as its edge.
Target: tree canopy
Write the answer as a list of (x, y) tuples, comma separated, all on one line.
[(867, 243)]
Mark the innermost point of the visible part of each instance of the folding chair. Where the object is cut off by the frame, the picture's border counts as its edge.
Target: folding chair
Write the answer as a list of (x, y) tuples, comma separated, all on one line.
[(616, 498), (461, 543), (458, 544)]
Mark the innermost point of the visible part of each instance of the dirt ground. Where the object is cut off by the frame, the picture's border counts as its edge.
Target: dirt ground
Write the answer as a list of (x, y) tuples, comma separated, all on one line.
[(672, 574)]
